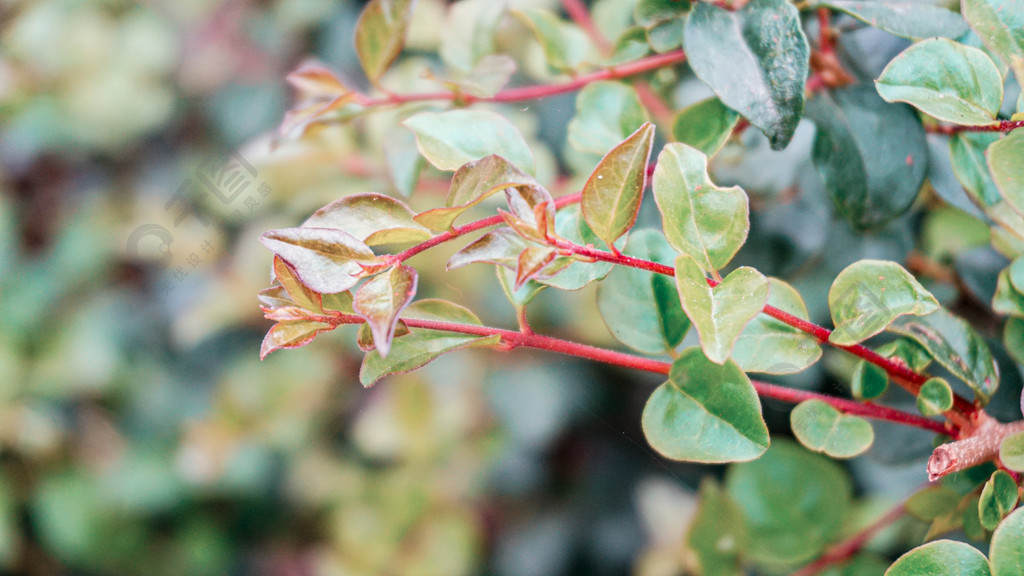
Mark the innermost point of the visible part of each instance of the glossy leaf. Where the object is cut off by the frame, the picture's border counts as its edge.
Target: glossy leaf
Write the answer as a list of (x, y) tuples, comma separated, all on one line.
[(717, 535), (755, 60), (1011, 452), (998, 498), (326, 260), (1000, 25), (868, 381), (297, 291), (1007, 547), (967, 152), (945, 79), (474, 182), (565, 46), (955, 345), (935, 397), (941, 558), (380, 34), (450, 139), (291, 334), (771, 346), (372, 218), (606, 113), (1004, 160), (701, 220), (705, 413), (705, 125), (381, 299), (719, 314), (422, 345), (868, 295), (640, 308), (872, 155), (822, 428), (612, 195), (907, 18)]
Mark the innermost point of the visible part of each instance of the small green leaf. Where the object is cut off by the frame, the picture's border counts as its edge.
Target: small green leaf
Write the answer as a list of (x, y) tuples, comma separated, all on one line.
[(612, 194), (1004, 160), (1000, 25), (1011, 452), (380, 34), (640, 308), (326, 260), (935, 397), (1007, 300), (372, 218), (473, 183), (421, 345), (967, 153), (955, 345), (941, 558), (381, 299), (907, 352), (716, 533), (868, 295), (756, 61), (1007, 547), (701, 220), (771, 346), (1013, 339), (705, 413), (291, 334), (569, 224), (998, 498), (822, 428), (719, 314), (705, 125), (868, 381), (606, 113), (565, 46), (1016, 274), (521, 296), (945, 79), (450, 139), (662, 21), (906, 18), (296, 290)]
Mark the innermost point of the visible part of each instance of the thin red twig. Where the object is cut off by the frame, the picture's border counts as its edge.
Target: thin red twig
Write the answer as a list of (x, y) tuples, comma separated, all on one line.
[(846, 549), (1000, 126)]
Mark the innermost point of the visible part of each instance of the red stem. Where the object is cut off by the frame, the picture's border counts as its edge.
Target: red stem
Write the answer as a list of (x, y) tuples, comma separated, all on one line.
[(577, 10), (846, 549), (1000, 126)]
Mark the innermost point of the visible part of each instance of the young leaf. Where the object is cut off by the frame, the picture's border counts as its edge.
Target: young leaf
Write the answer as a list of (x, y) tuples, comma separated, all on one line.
[(1004, 159), (967, 153), (381, 299), (770, 346), (868, 381), (380, 34), (372, 218), (326, 260), (531, 212), (941, 558), (501, 247), (1011, 452), (1007, 547), (296, 290), (719, 314), (569, 224), (531, 262), (422, 345), (907, 352), (522, 295), (868, 295), (705, 413), (717, 535), (291, 334), (565, 46), (822, 428), (872, 155), (945, 79), (612, 194), (1000, 25), (956, 346), (906, 18), (450, 139), (473, 183), (756, 61), (935, 397), (640, 308), (606, 113), (706, 222), (998, 498), (1007, 300), (705, 125)]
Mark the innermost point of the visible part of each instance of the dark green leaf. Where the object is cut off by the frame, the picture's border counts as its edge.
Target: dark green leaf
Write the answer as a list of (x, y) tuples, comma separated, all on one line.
[(450, 139), (907, 18), (717, 534), (822, 428), (869, 294), (380, 34), (868, 381), (907, 352), (935, 397), (663, 22), (612, 194), (705, 125), (606, 113), (771, 346), (381, 299), (998, 498), (941, 558), (569, 224), (1007, 548), (326, 260), (1013, 339), (372, 218)]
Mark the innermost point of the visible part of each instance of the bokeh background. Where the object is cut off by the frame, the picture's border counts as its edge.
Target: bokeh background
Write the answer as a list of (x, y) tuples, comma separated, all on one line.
[(140, 433)]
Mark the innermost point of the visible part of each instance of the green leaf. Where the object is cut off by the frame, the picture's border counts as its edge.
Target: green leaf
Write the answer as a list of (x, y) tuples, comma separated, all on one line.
[(380, 34), (569, 224), (933, 502), (473, 183), (872, 155), (469, 32), (941, 558), (640, 308), (701, 220), (1007, 547), (945, 79), (326, 260), (1013, 339), (967, 153), (1007, 300), (771, 346), (868, 295), (565, 46), (606, 113), (1004, 160), (705, 413), (954, 344), (868, 381), (381, 299), (908, 352), (297, 291), (1000, 25), (372, 218), (1011, 452), (719, 314), (716, 533), (756, 61), (1016, 274), (822, 428), (794, 503), (662, 21), (522, 295), (705, 125), (612, 194), (421, 345), (935, 397), (450, 139), (291, 334), (906, 18), (998, 498)]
